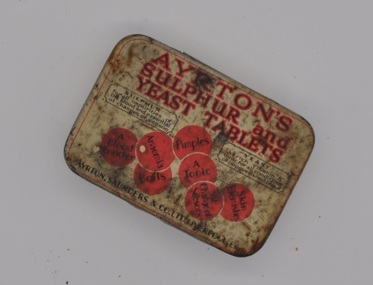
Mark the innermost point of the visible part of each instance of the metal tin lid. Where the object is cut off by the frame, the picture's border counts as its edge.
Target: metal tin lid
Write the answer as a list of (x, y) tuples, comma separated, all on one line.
[(189, 145)]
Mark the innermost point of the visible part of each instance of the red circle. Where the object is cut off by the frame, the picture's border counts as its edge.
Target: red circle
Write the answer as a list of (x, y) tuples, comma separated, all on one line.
[(192, 139), (152, 182), (239, 202), (154, 151), (197, 167), (118, 147), (203, 201)]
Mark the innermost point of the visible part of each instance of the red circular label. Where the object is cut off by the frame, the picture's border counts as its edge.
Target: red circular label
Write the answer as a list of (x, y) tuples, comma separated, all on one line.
[(203, 201), (154, 151), (118, 147), (238, 202), (152, 182), (197, 167), (192, 139)]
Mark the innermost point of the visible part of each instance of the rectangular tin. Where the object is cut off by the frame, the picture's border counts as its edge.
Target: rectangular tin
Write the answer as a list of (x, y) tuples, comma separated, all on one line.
[(189, 145)]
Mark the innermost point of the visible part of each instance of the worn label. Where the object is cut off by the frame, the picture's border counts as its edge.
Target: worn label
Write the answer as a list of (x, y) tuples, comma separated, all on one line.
[(189, 145)]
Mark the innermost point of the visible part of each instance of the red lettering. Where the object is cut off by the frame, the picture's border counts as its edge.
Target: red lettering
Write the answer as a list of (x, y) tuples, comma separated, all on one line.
[(283, 143), (189, 90), (270, 136), (165, 97), (147, 70), (175, 87), (242, 101), (276, 155), (153, 90), (175, 102), (242, 138), (163, 60), (284, 123), (220, 127), (267, 115), (187, 108), (233, 114), (265, 146), (202, 99), (161, 78), (258, 130), (219, 107), (233, 132), (224, 87), (142, 82), (210, 117), (181, 70), (253, 144)]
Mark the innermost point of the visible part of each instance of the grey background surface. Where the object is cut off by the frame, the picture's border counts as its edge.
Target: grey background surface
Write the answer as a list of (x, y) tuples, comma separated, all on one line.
[(314, 57)]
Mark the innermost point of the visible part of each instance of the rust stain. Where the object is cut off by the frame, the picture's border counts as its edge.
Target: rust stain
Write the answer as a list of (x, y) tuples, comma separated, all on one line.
[(131, 55), (203, 80)]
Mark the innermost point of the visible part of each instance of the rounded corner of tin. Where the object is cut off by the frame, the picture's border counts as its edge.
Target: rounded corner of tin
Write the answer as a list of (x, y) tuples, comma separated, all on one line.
[(246, 253), (254, 250), (246, 250), (133, 37), (308, 124), (68, 150), (311, 132), (67, 156)]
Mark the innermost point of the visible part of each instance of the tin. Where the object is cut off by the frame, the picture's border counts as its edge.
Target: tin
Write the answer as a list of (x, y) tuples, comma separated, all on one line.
[(189, 145)]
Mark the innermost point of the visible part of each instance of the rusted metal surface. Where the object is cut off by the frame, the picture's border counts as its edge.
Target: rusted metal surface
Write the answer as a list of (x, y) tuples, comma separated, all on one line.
[(189, 145)]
